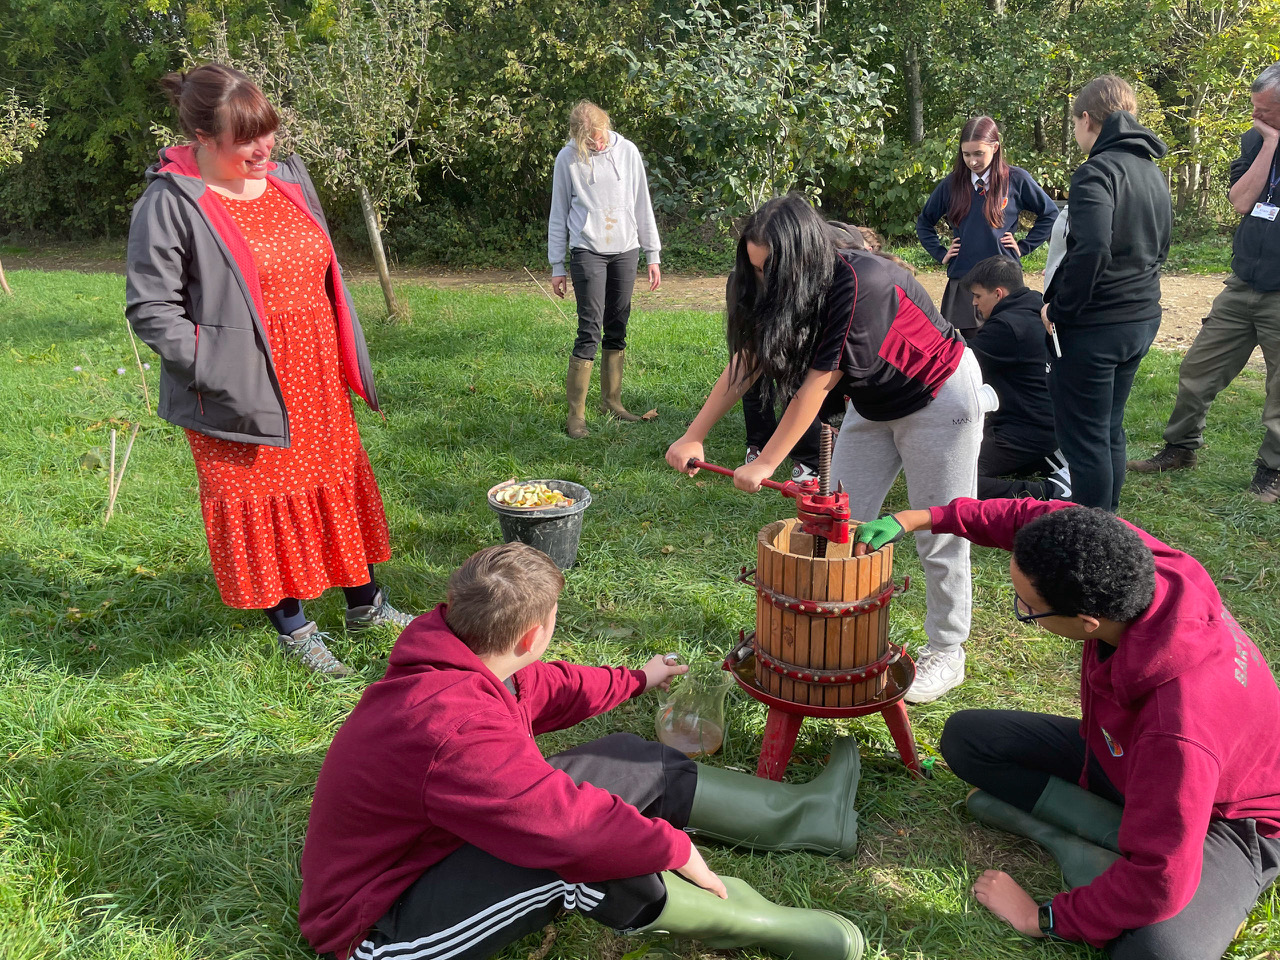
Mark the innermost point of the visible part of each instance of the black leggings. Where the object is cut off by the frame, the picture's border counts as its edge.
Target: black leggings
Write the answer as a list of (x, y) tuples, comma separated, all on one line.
[(287, 615), (762, 420), (1012, 754)]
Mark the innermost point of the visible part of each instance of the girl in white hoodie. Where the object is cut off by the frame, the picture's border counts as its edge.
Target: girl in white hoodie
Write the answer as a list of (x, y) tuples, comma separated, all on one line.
[(600, 214)]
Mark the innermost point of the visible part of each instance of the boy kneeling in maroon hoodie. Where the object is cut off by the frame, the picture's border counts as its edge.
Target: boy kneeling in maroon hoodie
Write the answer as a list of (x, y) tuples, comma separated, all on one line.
[(1173, 830), (438, 830)]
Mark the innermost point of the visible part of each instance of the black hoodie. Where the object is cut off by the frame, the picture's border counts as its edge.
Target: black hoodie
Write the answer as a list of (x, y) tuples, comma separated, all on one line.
[(1010, 348), (1118, 235)]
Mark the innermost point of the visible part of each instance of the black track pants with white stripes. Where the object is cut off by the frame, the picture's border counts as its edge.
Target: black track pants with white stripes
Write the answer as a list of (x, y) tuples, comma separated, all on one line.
[(472, 904)]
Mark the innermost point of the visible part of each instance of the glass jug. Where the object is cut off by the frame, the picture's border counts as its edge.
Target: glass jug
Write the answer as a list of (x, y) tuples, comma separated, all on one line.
[(691, 717)]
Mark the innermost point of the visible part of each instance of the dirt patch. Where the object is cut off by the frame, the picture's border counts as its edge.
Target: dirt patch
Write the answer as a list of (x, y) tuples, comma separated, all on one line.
[(1186, 297)]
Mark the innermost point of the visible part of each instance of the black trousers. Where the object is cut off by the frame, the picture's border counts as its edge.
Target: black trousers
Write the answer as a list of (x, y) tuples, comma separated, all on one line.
[(472, 904), (762, 420), (997, 461), (1090, 386), (602, 286), (1012, 754)]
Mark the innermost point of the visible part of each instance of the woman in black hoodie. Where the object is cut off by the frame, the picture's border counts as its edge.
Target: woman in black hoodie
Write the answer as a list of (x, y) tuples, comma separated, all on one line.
[(1104, 300)]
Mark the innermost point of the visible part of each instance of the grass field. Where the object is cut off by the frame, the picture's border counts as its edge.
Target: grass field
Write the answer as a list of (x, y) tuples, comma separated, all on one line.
[(160, 755)]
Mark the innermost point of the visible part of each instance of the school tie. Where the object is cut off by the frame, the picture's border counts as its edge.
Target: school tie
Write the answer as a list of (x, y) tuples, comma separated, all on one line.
[(981, 186)]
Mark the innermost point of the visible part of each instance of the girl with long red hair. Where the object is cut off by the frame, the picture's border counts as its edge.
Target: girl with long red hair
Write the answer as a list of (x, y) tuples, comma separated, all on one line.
[(980, 201)]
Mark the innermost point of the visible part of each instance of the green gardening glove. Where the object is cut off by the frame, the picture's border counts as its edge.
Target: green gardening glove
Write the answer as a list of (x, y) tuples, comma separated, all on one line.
[(876, 533)]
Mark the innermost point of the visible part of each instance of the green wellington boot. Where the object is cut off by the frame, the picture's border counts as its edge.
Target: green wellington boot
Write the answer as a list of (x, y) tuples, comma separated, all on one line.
[(1081, 861), (611, 364), (747, 919), (766, 815), (1078, 811), (576, 385)]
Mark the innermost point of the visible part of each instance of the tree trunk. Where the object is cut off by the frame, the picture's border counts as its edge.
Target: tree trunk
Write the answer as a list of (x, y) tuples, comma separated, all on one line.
[(394, 310), (997, 7), (1041, 143), (915, 106), (5, 283)]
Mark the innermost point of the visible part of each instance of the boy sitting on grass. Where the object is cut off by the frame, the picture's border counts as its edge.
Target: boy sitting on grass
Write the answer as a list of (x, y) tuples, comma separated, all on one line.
[(438, 830), (1162, 804)]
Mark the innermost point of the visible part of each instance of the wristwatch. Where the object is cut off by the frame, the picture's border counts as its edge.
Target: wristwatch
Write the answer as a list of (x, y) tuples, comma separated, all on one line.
[(1046, 919)]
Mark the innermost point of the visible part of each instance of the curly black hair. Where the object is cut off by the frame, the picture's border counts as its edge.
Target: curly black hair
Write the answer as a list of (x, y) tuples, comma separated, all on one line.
[(1086, 560)]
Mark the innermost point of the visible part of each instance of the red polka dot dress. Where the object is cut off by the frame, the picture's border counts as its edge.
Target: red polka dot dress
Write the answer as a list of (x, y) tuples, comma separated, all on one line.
[(292, 522)]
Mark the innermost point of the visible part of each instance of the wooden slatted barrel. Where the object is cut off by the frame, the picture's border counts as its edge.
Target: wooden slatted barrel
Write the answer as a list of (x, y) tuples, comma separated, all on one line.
[(797, 642)]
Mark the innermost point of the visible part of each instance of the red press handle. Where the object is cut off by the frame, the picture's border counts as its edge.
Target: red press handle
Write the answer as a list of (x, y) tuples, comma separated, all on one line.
[(703, 465)]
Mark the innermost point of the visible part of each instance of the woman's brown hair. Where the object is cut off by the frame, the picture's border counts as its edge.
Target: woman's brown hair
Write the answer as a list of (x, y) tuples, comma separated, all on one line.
[(213, 98), (1102, 97)]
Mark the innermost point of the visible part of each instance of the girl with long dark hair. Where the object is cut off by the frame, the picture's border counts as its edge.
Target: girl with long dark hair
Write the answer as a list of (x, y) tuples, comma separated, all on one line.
[(980, 201), (815, 324)]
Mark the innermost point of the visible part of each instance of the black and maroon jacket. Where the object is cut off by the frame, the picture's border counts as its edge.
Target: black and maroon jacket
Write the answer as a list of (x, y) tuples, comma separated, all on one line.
[(881, 330), (192, 294)]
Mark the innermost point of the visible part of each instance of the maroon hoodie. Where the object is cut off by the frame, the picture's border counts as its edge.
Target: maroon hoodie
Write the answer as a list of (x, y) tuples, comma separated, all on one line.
[(1182, 719), (439, 753)]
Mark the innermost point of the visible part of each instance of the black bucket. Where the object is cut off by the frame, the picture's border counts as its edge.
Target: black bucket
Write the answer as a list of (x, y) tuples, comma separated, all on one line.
[(553, 530)]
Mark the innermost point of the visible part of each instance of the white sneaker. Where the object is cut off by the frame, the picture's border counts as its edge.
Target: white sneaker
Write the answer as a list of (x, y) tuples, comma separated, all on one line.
[(800, 473), (752, 452), (1058, 480), (936, 673)]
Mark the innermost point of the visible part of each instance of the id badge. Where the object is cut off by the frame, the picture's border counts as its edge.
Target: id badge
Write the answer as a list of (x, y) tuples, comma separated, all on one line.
[(1265, 211)]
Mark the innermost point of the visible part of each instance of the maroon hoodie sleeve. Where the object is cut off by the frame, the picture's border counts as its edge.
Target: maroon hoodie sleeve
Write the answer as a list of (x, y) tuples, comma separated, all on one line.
[(1162, 831), (558, 695), (489, 785), (990, 523)]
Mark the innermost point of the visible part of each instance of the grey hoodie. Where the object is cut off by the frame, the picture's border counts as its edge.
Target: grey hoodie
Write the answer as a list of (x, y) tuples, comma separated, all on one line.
[(601, 203), (192, 295)]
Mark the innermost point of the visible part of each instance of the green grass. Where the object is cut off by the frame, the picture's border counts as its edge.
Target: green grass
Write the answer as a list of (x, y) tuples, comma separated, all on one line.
[(160, 755)]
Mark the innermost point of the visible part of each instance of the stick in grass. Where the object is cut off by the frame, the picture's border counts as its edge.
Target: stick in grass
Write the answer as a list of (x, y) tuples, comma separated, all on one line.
[(142, 374), (549, 296), (124, 465)]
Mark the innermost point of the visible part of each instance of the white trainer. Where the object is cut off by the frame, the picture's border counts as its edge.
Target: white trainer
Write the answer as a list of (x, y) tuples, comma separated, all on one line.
[(936, 673), (1058, 480)]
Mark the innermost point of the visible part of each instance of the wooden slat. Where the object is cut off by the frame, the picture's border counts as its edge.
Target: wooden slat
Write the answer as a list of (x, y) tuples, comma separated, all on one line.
[(868, 570), (789, 563), (848, 628), (835, 591), (817, 590)]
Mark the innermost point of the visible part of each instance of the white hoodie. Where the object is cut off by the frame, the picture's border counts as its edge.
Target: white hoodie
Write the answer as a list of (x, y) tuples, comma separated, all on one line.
[(601, 203)]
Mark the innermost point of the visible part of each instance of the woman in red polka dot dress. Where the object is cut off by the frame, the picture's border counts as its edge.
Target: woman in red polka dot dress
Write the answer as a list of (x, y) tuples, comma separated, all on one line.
[(233, 281)]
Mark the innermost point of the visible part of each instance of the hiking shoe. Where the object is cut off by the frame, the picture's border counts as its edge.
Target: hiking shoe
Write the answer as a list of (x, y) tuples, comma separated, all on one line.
[(1057, 482), (936, 673), (380, 613), (801, 473), (1170, 458), (752, 452), (307, 644), (1266, 483)]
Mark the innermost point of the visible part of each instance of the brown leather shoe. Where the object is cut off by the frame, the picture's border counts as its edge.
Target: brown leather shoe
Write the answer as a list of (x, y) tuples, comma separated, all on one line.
[(1170, 458)]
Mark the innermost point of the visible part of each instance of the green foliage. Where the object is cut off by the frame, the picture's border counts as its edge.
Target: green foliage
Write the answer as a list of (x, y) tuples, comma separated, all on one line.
[(759, 103), (21, 128)]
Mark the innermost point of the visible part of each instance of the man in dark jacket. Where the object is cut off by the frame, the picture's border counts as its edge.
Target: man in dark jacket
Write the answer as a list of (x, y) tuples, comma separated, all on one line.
[(438, 830), (1244, 315), (1017, 439), (1104, 301)]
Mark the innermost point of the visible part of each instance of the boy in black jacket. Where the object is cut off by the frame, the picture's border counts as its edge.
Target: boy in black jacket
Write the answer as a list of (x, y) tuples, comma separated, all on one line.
[(1018, 437), (1104, 300)]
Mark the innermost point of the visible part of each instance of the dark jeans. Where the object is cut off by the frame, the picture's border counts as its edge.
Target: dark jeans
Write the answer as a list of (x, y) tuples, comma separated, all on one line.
[(997, 461), (1090, 386), (762, 420), (472, 904), (1012, 754), (602, 286)]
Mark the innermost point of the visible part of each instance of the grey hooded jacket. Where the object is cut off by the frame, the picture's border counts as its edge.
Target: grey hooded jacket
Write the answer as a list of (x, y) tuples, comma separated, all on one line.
[(192, 295)]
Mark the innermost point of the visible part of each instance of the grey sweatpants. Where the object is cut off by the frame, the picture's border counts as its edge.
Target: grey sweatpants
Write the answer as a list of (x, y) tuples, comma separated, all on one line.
[(937, 447)]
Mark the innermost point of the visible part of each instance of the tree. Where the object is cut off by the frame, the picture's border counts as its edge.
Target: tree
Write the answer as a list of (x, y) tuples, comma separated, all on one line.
[(21, 128), (359, 103), (759, 101)]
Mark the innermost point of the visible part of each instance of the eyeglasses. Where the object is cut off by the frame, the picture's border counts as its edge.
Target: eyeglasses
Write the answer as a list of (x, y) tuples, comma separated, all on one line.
[(1019, 605)]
